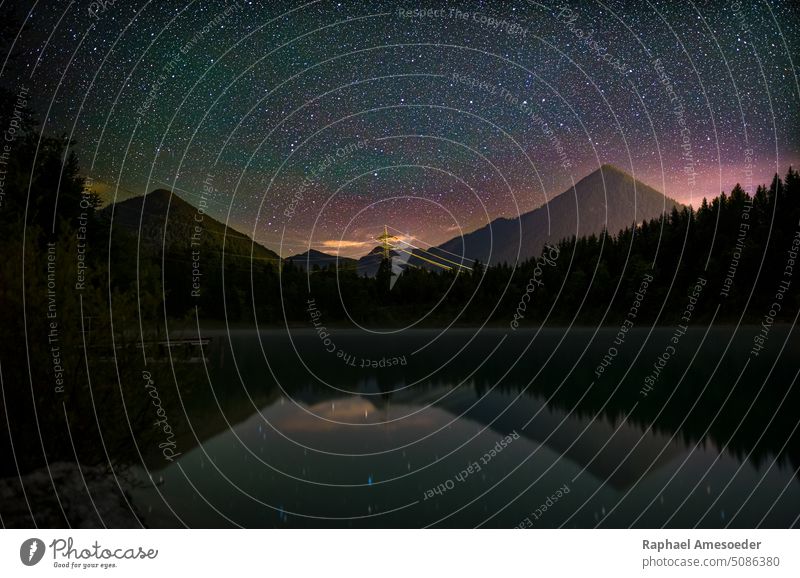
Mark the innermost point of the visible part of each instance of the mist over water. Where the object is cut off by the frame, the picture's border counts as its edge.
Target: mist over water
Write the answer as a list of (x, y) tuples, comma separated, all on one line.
[(526, 434)]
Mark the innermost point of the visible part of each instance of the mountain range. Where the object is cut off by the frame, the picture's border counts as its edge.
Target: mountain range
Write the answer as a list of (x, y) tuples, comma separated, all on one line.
[(312, 258), (365, 266), (609, 198)]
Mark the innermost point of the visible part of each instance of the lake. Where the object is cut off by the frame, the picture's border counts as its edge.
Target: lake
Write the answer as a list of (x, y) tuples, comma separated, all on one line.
[(492, 428)]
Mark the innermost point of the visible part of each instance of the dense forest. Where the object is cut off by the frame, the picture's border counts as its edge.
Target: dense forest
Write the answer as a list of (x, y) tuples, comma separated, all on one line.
[(64, 315), (732, 242)]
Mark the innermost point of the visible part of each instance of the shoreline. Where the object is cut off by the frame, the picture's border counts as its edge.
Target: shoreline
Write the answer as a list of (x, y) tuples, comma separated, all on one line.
[(217, 326)]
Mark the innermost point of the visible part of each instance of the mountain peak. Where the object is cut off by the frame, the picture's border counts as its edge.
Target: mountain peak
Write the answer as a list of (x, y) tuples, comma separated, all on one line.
[(613, 168), (313, 257), (611, 173), (608, 198), (154, 203), (159, 198), (612, 180), (156, 193), (166, 221)]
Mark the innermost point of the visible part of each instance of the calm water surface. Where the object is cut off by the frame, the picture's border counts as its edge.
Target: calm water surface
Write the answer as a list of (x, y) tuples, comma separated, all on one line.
[(422, 428)]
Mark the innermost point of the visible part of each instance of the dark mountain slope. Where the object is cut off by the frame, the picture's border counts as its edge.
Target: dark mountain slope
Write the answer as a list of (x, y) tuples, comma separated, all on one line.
[(184, 224), (608, 198)]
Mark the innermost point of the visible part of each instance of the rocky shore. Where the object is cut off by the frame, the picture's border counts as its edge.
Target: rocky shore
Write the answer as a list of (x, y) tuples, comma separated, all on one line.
[(77, 497)]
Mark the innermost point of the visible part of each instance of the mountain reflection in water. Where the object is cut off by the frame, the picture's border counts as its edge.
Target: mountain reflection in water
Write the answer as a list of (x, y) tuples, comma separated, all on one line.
[(279, 442)]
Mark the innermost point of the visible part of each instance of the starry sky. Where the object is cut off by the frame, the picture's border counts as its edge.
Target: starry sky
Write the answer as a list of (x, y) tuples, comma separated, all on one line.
[(317, 123)]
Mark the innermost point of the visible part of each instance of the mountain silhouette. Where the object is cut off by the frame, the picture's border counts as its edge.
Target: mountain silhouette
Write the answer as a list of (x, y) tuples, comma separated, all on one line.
[(312, 258), (164, 221), (608, 198), (368, 264)]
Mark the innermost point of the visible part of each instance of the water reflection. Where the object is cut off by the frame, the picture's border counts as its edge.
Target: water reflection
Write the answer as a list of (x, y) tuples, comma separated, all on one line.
[(280, 442)]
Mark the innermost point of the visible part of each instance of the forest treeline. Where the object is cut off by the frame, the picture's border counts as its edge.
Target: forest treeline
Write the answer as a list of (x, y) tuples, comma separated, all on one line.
[(70, 356), (741, 246)]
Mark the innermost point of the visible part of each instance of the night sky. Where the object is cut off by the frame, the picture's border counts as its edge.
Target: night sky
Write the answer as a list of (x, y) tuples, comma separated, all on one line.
[(319, 123)]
